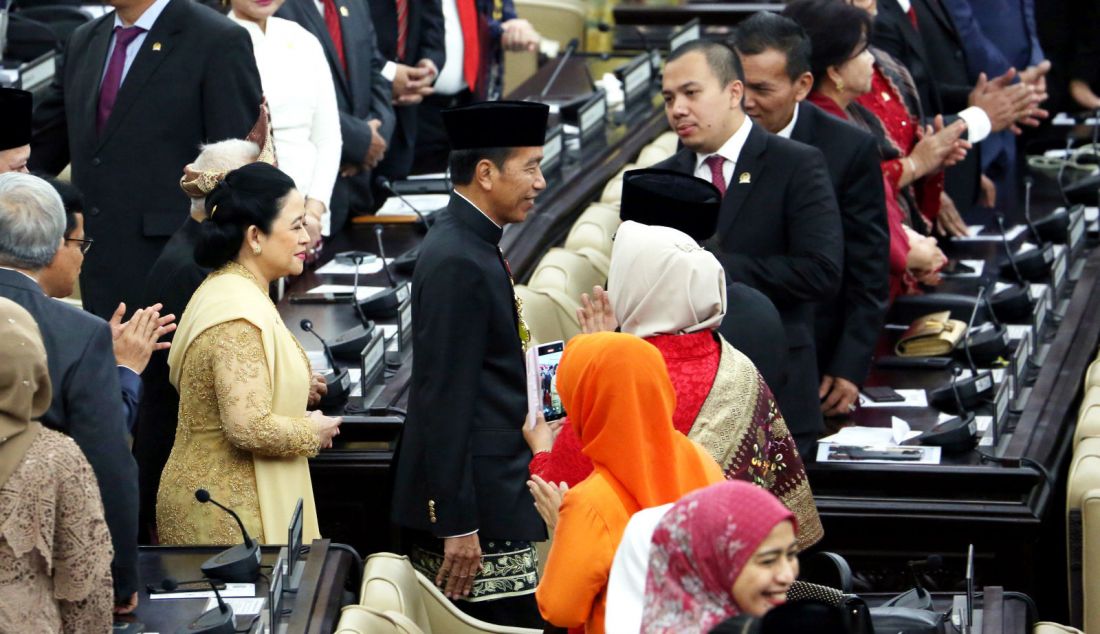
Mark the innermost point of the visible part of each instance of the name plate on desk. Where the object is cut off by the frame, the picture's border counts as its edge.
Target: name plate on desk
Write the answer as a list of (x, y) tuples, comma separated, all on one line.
[(1001, 401), (372, 363), (1039, 314), (404, 324), (1058, 274), (38, 73), (592, 116), (686, 33), (1020, 358), (1076, 230), (635, 75), (551, 149)]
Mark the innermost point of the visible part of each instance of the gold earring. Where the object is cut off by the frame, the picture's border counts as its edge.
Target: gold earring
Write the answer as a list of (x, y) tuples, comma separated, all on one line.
[(256, 250), (840, 84)]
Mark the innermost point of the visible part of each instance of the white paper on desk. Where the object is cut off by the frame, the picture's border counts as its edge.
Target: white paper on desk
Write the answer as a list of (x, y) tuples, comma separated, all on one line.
[(928, 455), (873, 436), (424, 177), (231, 590), (1037, 290), (1017, 331), (913, 398), (245, 606), (977, 265), (388, 330), (424, 203), (1000, 286), (975, 234), (332, 267), (354, 374), (1092, 214), (318, 360), (1025, 247), (363, 292), (1065, 119)]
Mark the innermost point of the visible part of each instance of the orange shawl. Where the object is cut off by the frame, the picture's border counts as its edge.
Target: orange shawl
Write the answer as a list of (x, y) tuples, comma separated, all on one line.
[(620, 401)]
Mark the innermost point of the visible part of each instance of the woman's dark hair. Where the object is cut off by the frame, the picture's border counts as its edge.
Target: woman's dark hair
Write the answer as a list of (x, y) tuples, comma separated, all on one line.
[(835, 28), (250, 195)]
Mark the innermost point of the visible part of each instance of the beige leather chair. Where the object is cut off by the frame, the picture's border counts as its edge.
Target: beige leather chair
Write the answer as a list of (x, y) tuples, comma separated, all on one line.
[(1046, 627), (394, 589), (1083, 535), (547, 319), (612, 194), (591, 236), (666, 141), (356, 619), (560, 20), (1092, 375), (1088, 426), (566, 272), (1091, 400), (651, 155)]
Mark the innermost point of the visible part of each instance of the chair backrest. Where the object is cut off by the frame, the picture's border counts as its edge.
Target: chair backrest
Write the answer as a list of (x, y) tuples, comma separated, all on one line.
[(567, 272), (548, 319), (358, 619), (668, 141), (61, 19), (651, 155), (1083, 535), (390, 584), (29, 39), (1092, 375), (1091, 400), (612, 195), (594, 229), (1088, 426), (560, 20)]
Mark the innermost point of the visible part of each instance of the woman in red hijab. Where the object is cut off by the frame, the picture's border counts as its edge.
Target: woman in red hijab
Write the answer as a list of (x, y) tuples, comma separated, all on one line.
[(728, 549), (620, 402)]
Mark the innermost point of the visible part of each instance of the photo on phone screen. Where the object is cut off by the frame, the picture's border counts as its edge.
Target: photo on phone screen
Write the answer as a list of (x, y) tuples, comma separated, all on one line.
[(549, 358)]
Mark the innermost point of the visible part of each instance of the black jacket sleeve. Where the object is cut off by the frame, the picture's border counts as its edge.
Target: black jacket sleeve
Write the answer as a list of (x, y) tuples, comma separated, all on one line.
[(451, 341), (432, 42), (231, 89), (866, 265), (94, 409)]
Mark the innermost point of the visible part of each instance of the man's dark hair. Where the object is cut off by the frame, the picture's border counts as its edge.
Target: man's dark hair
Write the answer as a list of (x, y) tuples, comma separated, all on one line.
[(464, 162), (71, 199), (721, 59), (770, 31), (835, 30)]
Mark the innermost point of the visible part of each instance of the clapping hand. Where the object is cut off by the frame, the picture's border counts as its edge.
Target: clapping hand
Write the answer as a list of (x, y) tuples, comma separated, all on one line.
[(596, 313), (548, 498), (135, 340)]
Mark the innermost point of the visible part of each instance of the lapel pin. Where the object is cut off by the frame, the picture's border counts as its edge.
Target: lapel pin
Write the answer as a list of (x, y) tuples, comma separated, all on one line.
[(744, 178), (344, 11), (156, 46)]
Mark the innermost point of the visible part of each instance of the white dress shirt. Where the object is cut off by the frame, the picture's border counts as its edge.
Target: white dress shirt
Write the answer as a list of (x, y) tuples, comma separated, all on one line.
[(451, 80), (786, 131), (305, 121), (146, 22), (626, 583), (730, 151)]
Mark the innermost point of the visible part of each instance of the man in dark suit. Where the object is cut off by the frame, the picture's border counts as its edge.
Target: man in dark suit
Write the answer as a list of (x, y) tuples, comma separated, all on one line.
[(15, 133), (411, 37), (86, 403), (139, 90), (347, 33), (460, 485), (923, 37), (779, 230), (775, 56)]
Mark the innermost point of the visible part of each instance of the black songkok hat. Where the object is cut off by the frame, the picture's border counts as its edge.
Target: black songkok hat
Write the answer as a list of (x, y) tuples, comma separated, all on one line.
[(671, 199), (492, 124), (15, 118)]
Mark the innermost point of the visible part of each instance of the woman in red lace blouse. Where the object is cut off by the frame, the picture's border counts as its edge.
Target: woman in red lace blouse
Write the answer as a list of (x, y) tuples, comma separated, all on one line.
[(861, 84), (668, 290)]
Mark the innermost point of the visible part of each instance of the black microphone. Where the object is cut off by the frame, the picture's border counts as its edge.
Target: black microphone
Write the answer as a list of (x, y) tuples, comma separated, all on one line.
[(385, 184), (569, 50), (956, 372), (385, 302), (1008, 247), (240, 563), (1029, 182), (357, 258), (1031, 265), (1062, 168), (968, 392), (218, 620), (168, 584), (988, 343), (338, 380)]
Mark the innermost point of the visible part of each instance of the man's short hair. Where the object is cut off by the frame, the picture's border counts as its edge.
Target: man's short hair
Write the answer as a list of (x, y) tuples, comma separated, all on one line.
[(71, 199), (463, 163), (767, 30), (721, 59), (32, 221)]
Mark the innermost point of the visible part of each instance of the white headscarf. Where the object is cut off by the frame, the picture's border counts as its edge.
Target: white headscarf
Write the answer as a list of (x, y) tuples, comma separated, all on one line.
[(663, 283)]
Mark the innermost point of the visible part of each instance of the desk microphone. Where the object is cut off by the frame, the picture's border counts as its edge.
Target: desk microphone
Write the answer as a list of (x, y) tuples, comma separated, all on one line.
[(987, 344), (959, 433), (1033, 265), (338, 381), (1062, 168), (1013, 303), (240, 563), (168, 584), (1053, 227), (217, 620), (961, 396), (385, 184), (385, 302), (569, 50)]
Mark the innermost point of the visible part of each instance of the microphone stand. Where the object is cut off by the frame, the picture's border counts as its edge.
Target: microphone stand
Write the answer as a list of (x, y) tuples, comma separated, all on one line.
[(385, 184), (240, 563), (340, 383), (569, 50), (386, 302)]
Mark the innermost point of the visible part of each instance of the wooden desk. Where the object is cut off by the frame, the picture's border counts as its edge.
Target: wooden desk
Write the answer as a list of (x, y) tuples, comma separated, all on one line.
[(315, 608)]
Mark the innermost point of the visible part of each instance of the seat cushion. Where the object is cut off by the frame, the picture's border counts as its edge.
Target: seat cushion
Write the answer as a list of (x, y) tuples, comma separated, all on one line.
[(389, 584)]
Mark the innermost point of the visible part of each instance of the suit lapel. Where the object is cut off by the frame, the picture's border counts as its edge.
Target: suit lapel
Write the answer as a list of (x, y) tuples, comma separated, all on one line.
[(746, 173), (92, 65), (804, 129), (939, 12), (158, 45), (316, 25), (348, 24)]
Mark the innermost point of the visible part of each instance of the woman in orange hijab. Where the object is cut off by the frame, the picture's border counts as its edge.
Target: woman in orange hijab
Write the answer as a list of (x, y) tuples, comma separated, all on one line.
[(620, 402)]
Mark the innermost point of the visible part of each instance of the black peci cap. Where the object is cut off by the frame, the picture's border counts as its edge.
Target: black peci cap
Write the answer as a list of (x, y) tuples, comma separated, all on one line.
[(671, 199), (15, 118), (491, 124)]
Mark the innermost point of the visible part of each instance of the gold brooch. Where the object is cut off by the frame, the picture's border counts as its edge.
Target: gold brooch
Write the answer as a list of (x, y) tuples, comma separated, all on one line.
[(744, 179), (344, 11), (156, 46)]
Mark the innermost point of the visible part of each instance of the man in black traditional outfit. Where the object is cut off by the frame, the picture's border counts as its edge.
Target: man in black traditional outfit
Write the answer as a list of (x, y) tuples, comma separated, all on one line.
[(460, 490)]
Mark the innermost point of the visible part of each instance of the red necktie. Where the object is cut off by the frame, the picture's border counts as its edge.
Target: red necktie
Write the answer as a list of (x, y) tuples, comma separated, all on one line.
[(471, 42), (402, 27), (332, 23), (715, 163), (912, 13), (112, 79)]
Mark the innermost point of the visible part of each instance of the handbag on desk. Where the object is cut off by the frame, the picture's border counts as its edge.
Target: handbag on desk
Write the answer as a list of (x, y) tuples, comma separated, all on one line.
[(932, 335)]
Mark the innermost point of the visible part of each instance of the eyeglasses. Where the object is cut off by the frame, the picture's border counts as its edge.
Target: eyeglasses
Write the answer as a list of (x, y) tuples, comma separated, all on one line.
[(85, 243)]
